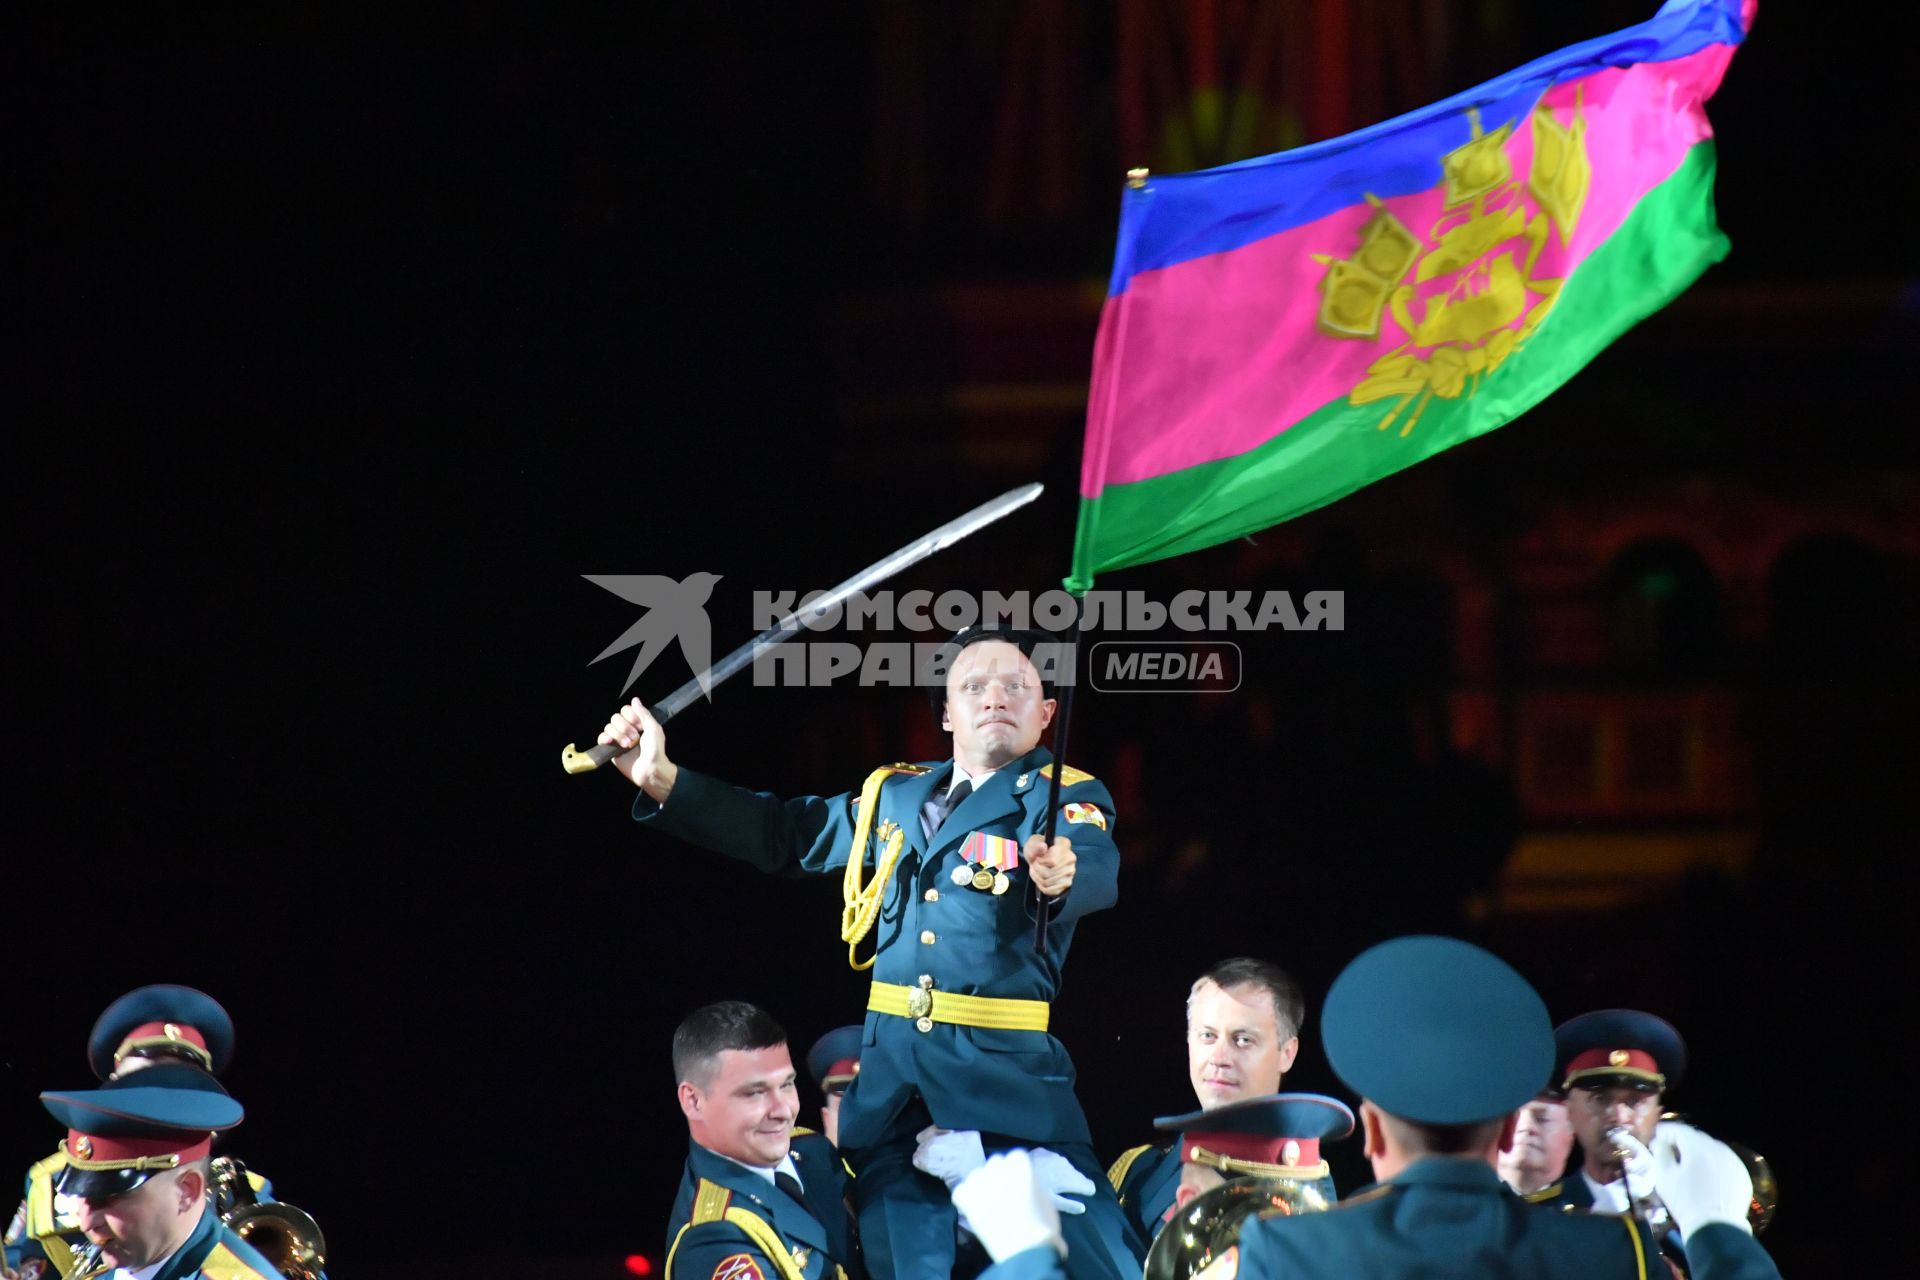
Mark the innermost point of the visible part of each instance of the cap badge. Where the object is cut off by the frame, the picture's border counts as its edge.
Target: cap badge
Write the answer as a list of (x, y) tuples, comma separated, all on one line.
[(171, 1031), (1290, 1154), (83, 1147), (1619, 1058)]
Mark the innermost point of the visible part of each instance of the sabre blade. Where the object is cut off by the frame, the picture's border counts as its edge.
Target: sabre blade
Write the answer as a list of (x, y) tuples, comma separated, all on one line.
[(574, 761), (879, 571)]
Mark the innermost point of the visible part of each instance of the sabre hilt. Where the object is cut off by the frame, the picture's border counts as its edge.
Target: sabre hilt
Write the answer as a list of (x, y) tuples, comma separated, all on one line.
[(577, 761)]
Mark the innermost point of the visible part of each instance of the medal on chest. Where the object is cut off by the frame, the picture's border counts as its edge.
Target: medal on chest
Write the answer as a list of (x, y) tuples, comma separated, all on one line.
[(987, 860)]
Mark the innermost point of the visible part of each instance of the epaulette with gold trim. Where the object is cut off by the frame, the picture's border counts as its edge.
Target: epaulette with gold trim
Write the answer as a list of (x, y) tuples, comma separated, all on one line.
[(1544, 1195), (224, 1264), (801, 1131), (1069, 776), (898, 766), (1366, 1197), (710, 1202), (1117, 1171)]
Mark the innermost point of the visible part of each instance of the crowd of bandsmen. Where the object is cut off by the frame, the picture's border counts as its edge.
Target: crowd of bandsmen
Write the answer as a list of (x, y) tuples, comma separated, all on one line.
[(134, 1191), (956, 1142)]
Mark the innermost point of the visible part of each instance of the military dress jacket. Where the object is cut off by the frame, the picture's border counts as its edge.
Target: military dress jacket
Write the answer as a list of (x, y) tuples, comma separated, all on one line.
[(1454, 1217), (1014, 1083), (729, 1223), (41, 1240), (1571, 1194), (1146, 1179)]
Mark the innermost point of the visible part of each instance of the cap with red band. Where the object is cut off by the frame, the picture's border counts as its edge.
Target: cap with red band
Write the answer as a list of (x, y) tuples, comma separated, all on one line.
[(137, 1126), (162, 1021), (1622, 1047), (1278, 1135), (834, 1059)]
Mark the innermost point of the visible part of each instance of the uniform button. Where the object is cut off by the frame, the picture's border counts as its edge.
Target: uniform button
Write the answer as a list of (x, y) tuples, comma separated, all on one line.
[(927, 936), (926, 1024), (933, 895)]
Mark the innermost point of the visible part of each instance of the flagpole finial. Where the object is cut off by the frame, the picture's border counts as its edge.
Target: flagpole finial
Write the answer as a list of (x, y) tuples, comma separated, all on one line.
[(1137, 178)]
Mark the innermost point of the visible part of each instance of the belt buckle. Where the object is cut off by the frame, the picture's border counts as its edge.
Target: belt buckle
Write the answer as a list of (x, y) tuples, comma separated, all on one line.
[(919, 1002)]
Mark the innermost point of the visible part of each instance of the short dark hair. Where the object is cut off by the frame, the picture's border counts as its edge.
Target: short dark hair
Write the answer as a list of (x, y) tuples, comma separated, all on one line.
[(934, 674), (1289, 1005), (708, 1032), (1444, 1139)]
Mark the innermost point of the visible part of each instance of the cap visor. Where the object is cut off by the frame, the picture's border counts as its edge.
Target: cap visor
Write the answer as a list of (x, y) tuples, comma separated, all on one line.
[(99, 1185)]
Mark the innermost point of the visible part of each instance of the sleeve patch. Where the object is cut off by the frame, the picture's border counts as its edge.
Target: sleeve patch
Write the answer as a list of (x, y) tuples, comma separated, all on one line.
[(738, 1266), (1077, 812)]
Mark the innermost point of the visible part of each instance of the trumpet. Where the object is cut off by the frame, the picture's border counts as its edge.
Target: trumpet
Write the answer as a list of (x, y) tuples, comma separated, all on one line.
[(287, 1237)]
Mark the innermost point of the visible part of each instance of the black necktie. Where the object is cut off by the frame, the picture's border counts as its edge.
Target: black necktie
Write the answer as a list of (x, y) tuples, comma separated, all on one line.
[(791, 1185), (952, 802)]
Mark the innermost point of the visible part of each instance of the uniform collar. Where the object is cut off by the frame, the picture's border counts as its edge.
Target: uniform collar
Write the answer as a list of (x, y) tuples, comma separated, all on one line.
[(790, 1219), (1450, 1173), (187, 1259), (998, 797)]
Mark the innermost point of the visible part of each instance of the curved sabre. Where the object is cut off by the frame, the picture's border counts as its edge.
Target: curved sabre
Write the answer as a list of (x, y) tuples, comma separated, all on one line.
[(576, 761)]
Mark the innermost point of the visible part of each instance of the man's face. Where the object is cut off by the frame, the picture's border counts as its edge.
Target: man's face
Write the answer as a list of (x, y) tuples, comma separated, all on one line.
[(144, 1225), (1234, 1046), (995, 708), (1542, 1137), (747, 1110), (1597, 1110)]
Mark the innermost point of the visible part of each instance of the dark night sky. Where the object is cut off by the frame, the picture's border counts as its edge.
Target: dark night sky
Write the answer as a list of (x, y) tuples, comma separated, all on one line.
[(345, 352)]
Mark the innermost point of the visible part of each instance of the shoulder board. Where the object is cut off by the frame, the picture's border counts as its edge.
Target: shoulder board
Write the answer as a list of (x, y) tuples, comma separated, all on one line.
[(224, 1264), (1368, 1196), (801, 1131), (1545, 1195), (1118, 1170), (1069, 776), (710, 1202), (901, 766)]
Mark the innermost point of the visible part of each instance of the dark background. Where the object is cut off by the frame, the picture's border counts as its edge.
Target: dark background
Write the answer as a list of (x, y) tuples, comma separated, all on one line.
[(344, 350)]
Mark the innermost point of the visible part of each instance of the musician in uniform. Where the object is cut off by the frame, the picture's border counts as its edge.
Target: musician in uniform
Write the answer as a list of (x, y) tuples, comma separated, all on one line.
[(1542, 1143), (833, 1062), (943, 871), (1443, 1042), (756, 1202), (1615, 1066), (1243, 1032), (160, 1023), (137, 1171), (1277, 1136)]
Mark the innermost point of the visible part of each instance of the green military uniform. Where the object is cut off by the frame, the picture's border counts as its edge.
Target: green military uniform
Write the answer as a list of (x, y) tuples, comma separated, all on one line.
[(43, 1239), (159, 1023), (730, 1223), (1275, 1137), (138, 1126), (1442, 1035)]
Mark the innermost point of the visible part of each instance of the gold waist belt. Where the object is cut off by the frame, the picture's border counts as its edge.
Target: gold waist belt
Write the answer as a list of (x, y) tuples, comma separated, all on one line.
[(927, 1006)]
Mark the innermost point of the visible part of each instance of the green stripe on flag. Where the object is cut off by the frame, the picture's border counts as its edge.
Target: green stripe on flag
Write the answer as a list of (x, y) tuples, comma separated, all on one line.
[(1668, 239)]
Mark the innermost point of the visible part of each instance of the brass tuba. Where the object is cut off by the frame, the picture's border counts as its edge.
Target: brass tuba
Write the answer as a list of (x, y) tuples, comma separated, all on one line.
[(1766, 1191), (287, 1237), (1199, 1235)]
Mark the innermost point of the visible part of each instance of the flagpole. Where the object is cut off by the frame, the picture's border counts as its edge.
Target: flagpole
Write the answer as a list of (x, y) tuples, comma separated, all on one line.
[(1044, 912)]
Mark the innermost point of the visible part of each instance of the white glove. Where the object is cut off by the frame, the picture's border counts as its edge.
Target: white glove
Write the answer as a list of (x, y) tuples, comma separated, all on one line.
[(1057, 1175), (947, 1155), (1701, 1180), (1008, 1208), (1637, 1164)]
